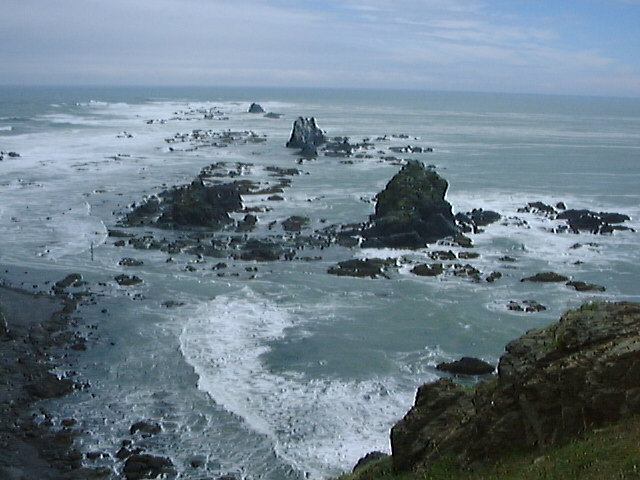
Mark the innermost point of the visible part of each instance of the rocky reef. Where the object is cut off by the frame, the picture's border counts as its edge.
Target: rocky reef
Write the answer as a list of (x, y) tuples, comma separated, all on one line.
[(411, 211), (552, 385)]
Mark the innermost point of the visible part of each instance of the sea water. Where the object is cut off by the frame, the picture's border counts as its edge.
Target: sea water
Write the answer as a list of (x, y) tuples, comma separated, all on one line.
[(278, 369)]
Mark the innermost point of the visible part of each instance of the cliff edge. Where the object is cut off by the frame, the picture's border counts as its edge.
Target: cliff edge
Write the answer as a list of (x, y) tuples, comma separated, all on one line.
[(552, 385)]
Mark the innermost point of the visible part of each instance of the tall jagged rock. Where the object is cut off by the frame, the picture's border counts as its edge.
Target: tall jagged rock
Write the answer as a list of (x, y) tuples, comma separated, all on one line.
[(411, 211), (306, 135), (552, 385)]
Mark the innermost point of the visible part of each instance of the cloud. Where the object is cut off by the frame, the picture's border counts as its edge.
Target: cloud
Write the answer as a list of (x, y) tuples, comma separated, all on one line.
[(377, 43)]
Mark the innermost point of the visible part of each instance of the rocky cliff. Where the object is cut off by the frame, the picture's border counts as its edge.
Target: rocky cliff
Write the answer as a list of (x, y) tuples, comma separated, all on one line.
[(552, 385)]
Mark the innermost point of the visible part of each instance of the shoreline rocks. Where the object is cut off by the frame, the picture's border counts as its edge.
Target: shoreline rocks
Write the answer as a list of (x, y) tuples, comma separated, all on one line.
[(552, 385)]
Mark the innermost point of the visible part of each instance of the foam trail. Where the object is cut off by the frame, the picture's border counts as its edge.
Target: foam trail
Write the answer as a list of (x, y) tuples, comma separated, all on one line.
[(321, 425)]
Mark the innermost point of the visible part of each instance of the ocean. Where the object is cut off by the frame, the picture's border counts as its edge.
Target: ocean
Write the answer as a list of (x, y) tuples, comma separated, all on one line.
[(277, 369)]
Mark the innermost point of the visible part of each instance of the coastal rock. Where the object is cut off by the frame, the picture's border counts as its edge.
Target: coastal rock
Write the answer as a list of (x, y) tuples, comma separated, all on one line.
[(127, 281), (195, 205), (585, 287), (546, 277), (476, 218), (295, 223), (256, 108), (370, 267), (411, 211), (466, 366), (130, 262), (140, 466), (553, 384), (428, 270), (529, 306), (579, 220), (306, 135)]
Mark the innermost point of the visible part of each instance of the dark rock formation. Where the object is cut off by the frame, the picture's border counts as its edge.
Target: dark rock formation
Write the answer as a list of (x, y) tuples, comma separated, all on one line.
[(585, 287), (306, 136), (579, 220), (411, 211), (529, 306), (256, 108), (130, 262), (428, 270), (127, 281), (545, 277), (295, 223), (146, 466), (195, 205), (471, 221), (552, 385), (370, 267), (467, 366)]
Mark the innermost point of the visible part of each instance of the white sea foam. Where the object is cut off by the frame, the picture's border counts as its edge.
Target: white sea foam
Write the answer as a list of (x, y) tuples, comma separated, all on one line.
[(319, 425), (6, 128)]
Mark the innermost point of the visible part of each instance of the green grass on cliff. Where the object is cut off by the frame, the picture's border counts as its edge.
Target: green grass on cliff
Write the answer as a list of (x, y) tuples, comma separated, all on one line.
[(605, 454)]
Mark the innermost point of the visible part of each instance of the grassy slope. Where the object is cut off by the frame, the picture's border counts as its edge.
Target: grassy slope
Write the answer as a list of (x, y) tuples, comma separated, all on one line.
[(608, 453)]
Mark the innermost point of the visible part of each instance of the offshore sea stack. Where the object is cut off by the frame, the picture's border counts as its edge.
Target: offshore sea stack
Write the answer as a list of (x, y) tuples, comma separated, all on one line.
[(306, 136), (411, 211), (552, 385)]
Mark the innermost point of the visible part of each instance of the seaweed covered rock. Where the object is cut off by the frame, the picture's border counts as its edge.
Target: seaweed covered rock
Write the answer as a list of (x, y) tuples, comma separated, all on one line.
[(552, 385), (411, 211)]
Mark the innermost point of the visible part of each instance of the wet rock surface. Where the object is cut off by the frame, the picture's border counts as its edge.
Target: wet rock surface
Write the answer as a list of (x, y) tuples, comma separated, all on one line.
[(552, 385)]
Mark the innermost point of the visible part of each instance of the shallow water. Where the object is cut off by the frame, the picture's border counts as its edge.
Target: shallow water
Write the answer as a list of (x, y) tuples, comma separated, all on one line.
[(288, 372)]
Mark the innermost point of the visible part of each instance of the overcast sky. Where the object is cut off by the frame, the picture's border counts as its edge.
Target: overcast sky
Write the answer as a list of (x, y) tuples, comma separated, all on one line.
[(587, 47)]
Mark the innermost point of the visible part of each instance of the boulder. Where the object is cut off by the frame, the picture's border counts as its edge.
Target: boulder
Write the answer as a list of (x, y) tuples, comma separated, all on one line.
[(553, 384), (411, 211), (306, 136)]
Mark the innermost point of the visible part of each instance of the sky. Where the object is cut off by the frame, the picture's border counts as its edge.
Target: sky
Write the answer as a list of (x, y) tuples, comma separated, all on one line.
[(584, 47)]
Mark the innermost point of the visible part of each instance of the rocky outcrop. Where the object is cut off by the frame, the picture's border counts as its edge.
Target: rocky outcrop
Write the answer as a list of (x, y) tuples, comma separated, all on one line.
[(580, 220), (552, 385), (411, 211), (256, 108), (198, 204), (306, 136)]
